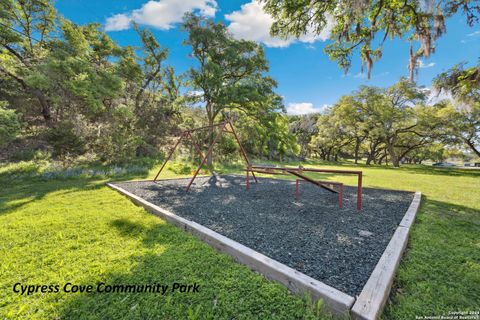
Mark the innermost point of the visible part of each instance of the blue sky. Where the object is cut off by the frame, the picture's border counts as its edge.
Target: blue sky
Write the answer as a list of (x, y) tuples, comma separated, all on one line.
[(307, 79)]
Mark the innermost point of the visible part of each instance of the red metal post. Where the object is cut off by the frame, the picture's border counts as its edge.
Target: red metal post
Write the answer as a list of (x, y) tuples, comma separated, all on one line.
[(297, 192), (206, 127), (170, 155), (199, 150), (359, 192), (340, 196), (241, 148), (248, 178), (210, 149)]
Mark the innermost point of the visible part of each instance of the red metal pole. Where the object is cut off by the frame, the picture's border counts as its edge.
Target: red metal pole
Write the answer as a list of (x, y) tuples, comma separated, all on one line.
[(340, 196), (206, 127), (210, 149), (310, 170), (359, 192), (170, 155), (196, 145), (297, 193), (241, 148), (248, 178)]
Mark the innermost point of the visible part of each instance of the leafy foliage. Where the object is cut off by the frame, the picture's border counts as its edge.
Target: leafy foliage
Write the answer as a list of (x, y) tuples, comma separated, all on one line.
[(10, 125), (462, 123), (65, 141), (378, 123), (362, 27)]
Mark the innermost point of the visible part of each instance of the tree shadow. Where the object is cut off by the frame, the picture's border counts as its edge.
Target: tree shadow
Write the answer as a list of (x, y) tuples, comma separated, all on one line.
[(429, 170), (25, 184), (439, 270), (171, 256), (269, 219)]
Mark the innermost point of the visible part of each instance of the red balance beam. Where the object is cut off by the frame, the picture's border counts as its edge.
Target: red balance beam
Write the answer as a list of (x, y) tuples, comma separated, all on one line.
[(339, 184), (301, 170)]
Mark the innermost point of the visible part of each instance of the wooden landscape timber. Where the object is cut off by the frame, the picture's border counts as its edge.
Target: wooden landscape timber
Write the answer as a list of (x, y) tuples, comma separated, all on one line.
[(369, 304)]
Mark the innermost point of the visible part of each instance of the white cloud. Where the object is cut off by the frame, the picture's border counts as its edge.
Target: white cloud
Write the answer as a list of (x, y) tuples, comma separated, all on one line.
[(363, 75), (296, 109), (422, 64), (360, 75), (161, 14), (434, 96), (118, 22), (474, 34), (251, 22), (195, 93)]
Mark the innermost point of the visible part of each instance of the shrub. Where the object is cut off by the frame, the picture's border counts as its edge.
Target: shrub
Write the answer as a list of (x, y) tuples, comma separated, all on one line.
[(64, 141), (10, 125), (180, 168), (118, 142)]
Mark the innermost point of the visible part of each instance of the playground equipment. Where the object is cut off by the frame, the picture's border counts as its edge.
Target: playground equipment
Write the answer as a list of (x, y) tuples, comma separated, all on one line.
[(187, 134), (227, 126)]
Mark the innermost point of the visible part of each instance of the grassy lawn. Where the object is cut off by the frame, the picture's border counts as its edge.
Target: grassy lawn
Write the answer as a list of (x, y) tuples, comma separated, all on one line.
[(59, 229)]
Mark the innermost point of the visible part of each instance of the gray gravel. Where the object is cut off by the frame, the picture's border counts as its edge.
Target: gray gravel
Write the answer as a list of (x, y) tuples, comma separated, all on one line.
[(337, 246)]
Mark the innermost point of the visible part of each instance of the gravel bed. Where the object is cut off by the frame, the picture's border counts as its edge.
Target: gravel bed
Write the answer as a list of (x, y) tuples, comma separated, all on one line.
[(339, 247)]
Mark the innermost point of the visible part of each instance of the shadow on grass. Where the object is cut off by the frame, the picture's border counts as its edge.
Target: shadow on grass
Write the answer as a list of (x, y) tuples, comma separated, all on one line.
[(269, 220), (439, 271), (26, 184), (226, 290)]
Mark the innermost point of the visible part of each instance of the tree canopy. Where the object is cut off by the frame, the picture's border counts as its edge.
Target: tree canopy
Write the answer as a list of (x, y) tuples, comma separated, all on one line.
[(462, 122), (69, 92), (362, 27), (231, 74)]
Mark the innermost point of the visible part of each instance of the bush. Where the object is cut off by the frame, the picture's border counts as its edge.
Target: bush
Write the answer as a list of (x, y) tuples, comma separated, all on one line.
[(180, 168), (64, 141), (118, 142), (10, 125)]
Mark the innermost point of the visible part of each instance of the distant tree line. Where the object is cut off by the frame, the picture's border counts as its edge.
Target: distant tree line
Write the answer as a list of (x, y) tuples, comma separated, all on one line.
[(396, 124)]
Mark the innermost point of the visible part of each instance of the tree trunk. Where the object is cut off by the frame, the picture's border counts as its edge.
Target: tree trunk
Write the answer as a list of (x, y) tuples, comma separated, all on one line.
[(44, 104), (211, 137), (472, 146), (38, 94), (357, 148), (393, 155), (372, 153)]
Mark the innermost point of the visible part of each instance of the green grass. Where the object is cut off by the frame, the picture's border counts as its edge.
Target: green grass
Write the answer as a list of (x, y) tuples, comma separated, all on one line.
[(71, 228)]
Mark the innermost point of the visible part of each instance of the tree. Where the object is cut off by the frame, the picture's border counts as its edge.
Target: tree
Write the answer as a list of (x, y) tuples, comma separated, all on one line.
[(363, 26), (385, 122), (351, 115), (230, 73), (266, 135), (112, 101), (304, 128), (154, 89), (10, 124), (462, 123), (331, 138), (21, 23)]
